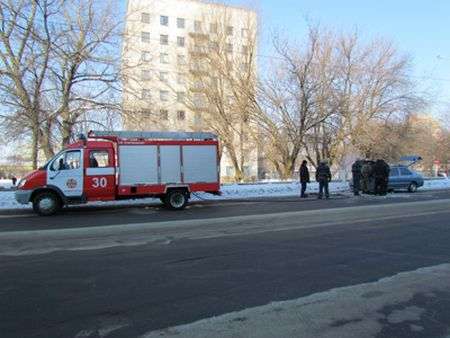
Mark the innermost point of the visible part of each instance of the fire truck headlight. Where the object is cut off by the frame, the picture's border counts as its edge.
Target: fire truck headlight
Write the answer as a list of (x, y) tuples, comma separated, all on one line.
[(22, 183)]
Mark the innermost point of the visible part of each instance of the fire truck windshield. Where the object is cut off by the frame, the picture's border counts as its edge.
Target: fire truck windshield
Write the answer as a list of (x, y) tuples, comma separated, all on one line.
[(45, 166)]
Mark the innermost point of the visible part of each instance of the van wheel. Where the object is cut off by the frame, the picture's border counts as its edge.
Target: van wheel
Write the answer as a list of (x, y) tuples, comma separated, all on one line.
[(47, 204), (412, 187), (176, 200)]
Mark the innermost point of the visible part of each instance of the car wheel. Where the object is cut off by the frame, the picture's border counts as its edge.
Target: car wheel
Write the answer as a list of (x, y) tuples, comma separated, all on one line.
[(176, 199), (412, 187), (47, 204)]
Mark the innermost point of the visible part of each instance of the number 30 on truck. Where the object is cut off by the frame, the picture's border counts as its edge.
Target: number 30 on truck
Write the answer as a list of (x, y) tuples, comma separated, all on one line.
[(108, 166)]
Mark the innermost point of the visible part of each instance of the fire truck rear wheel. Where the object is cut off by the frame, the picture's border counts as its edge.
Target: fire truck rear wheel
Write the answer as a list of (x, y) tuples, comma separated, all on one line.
[(47, 203), (176, 199)]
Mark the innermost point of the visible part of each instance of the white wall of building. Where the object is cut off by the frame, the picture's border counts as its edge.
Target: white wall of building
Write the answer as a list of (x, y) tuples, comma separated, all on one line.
[(155, 69)]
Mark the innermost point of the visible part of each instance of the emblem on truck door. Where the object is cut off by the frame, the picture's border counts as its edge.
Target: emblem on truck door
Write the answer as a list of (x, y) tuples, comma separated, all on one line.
[(71, 183)]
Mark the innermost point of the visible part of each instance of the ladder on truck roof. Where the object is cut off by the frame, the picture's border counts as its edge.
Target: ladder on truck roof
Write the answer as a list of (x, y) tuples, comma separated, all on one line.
[(154, 135)]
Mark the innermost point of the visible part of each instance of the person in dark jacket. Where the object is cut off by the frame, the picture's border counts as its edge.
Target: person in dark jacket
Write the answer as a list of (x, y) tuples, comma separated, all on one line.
[(323, 176), (304, 178), (381, 174), (356, 174), (386, 171)]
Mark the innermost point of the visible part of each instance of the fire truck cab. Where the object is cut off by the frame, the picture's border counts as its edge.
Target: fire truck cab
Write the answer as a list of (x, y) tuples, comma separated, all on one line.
[(110, 166)]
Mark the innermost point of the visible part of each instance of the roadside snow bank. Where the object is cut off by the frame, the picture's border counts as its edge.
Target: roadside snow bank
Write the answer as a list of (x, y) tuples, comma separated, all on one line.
[(235, 191), (5, 184), (436, 184), (230, 191)]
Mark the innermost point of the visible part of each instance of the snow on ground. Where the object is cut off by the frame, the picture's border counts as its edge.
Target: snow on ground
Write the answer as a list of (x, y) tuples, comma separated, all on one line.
[(5, 183), (236, 191), (436, 184)]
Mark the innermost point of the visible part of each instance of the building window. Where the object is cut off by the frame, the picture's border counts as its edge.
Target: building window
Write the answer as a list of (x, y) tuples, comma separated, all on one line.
[(213, 28), (244, 33), (145, 75), (198, 100), (181, 79), (197, 119), (164, 58), (230, 30), (181, 115), (164, 20), (247, 171), (229, 47), (229, 171), (145, 18), (145, 94), (181, 59), (164, 114), (164, 39), (145, 37), (98, 159), (244, 66), (180, 97), (245, 50), (180, 41), (164, 95), (197, 26), (181, 23), (145, 56), (146, 112), (214, 46), (164, 77)]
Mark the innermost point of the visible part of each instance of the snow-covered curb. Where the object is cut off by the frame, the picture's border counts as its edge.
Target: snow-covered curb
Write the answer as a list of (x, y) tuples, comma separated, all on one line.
[(236, 191)]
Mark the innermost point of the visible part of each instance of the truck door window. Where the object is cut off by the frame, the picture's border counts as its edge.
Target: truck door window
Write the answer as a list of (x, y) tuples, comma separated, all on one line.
[(58, 163), (98, 159), (66, 161)]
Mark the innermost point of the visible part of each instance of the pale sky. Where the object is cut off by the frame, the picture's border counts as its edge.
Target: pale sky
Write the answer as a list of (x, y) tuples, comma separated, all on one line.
[(418, 28)]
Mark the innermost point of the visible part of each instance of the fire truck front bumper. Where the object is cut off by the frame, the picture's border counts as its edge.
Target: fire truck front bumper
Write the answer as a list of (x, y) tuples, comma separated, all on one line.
[(23, 196)]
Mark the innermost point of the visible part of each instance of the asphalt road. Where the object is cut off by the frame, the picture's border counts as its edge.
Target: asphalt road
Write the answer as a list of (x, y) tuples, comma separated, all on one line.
[(86, 216), (125, 272)]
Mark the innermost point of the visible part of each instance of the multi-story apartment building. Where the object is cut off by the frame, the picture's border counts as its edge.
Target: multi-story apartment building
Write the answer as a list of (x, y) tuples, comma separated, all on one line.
[(182, 61)]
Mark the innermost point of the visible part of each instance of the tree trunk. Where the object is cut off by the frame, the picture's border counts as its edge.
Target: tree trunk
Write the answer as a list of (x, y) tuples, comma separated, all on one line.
[(35, 146), (66, 132), (46, 142)]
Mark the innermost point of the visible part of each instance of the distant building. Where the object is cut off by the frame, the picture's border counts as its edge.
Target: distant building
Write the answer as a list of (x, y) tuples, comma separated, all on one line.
[(163, 47)]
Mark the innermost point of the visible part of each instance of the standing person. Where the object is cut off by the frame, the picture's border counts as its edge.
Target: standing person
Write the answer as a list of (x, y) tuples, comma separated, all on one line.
[(379, 174), (356, 174), (386, 171), (304, 178), (14, 180), (323, 176)]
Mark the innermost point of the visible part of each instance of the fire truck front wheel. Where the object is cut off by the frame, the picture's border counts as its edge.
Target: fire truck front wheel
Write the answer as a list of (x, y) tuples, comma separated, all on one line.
[(46, 203), (176, 199)]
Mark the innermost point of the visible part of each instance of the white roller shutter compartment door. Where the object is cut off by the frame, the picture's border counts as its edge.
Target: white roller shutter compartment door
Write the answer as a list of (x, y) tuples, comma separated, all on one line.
[(138, 164), (200, 164), (170, 164)]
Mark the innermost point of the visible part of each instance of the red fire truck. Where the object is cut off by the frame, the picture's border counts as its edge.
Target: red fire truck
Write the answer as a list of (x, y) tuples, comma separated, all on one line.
[(108, 166)]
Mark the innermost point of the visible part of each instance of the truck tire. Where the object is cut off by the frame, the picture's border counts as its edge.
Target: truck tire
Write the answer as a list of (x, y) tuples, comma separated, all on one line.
[(47, 203), (176, 199)]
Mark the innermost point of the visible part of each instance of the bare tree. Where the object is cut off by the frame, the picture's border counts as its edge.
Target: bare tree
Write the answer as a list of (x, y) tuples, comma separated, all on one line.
[(294, 100), (325, 98), (221, 82), (25, 50), (374, 88), (85, 72), (59, 63)]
